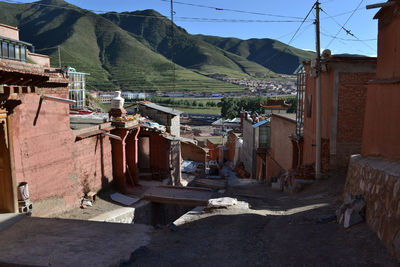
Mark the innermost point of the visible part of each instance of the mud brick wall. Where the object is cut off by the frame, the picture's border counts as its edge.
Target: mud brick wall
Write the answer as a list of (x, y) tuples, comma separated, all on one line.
[(47, 157), (92, 163), (378, 181)]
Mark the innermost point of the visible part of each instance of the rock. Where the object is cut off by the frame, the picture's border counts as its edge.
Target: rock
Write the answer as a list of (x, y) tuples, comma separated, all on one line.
[(351, 217), (223, 202)]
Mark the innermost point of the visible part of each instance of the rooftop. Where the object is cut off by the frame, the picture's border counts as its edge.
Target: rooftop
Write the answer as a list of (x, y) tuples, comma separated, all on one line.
[(148, 104)]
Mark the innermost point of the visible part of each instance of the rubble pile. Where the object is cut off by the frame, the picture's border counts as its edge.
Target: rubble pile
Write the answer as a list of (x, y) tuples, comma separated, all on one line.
[(352, 211)]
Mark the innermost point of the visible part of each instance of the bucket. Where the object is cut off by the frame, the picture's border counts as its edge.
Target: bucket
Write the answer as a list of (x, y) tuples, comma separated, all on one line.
[(23, 191)]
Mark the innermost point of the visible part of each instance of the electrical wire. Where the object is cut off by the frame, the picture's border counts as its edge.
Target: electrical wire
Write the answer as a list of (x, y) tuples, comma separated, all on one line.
[(346, 30), (187, 19), (233, 10), (342, 26), (279, 54)]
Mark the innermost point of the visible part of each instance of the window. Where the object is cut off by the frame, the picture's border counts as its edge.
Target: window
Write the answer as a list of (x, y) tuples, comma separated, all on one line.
[(11, 50), (17, 52), (309, 106), (23, 53), (4, 49)]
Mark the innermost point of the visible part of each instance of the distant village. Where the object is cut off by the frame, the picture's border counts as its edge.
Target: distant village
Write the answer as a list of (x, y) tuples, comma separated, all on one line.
[(284, 87)]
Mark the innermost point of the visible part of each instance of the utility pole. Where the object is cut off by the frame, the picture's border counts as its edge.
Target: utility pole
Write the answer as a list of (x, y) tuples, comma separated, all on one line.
[(172, 44), (318, 95), (59, 57)]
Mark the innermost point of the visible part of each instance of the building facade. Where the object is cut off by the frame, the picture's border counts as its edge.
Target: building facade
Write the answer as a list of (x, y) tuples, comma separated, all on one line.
[(77, 87)]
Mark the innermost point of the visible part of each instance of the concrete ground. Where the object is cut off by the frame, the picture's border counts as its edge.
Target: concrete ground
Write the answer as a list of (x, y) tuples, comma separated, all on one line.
[(266, 228), (61, 242), (277, 230)]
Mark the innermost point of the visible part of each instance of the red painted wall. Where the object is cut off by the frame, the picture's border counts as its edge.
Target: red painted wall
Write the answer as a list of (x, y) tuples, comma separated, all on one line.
[(381, 124), (48, 158)]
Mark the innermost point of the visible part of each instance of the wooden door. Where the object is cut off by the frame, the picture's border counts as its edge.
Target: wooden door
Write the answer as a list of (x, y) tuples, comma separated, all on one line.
[(6, 185)]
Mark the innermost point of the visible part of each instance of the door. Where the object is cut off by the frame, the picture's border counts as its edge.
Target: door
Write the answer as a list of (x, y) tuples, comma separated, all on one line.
[(6, 186), (144, 152)]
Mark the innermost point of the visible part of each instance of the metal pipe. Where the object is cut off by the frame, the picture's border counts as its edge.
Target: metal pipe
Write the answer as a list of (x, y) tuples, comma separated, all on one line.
[(59, 99), (381, 5)]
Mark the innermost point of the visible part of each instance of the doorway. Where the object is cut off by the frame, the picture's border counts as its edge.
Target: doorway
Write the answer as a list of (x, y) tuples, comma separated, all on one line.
[(6, 184)]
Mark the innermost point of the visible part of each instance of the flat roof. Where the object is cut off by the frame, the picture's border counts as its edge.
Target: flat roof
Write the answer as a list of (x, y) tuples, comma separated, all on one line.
[(288, 116), (161, 108)]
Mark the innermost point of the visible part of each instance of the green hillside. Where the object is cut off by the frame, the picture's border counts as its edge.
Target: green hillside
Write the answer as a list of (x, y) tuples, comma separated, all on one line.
[(114, 58), (269, 53), (189, 51)]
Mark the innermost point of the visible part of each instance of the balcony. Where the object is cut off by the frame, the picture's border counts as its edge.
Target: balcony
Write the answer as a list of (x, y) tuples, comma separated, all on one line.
[(13, 49)]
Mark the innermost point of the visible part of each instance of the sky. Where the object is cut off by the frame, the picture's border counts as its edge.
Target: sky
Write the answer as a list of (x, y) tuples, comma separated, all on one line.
[(247, 19)]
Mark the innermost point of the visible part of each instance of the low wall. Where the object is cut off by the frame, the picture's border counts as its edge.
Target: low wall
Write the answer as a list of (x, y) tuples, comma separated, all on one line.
[(378, 181)]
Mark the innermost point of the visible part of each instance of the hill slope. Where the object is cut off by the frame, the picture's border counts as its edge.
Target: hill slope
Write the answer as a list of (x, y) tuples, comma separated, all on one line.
[(269, 53), (189, 52)]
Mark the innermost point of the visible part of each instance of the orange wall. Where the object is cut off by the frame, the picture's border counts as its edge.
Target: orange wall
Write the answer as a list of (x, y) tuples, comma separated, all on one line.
[(388, 49), (281, 146), (9, 31), (381, 135), (342, 109), (326, 107), (42, 60)]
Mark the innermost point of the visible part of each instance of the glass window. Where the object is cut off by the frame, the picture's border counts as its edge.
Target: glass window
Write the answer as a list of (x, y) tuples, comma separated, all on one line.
[(11, 50), (4, 48), (23, 53), (17, 52)]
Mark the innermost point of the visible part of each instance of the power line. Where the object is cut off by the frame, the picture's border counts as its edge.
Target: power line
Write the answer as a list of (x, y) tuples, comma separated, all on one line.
[(279, 54), (187, 19), (347, 31), (342, 26), (349, 40), (233, 10)]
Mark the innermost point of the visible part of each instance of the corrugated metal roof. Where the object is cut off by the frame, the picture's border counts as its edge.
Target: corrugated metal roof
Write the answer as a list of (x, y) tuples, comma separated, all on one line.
[(260, 123), (162, 108)]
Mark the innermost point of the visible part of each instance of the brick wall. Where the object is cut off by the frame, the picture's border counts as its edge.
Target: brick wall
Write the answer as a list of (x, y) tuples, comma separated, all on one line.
[(379, 182)]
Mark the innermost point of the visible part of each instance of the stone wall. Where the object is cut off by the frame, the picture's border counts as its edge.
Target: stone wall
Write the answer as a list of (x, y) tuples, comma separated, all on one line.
[(378, 181)]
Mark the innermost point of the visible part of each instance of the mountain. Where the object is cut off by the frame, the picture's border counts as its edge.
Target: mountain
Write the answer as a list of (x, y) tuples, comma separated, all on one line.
[(269, 53), (189, 51), (131, 50)]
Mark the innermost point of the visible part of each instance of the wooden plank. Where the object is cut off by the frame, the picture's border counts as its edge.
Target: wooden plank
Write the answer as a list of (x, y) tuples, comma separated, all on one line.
[(211, 183), (187, 187), (178, 195), (88, 134), (1, 89)]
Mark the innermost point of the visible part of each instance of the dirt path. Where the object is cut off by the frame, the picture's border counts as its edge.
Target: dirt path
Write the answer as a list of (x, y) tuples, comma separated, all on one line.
[(278, 230)]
